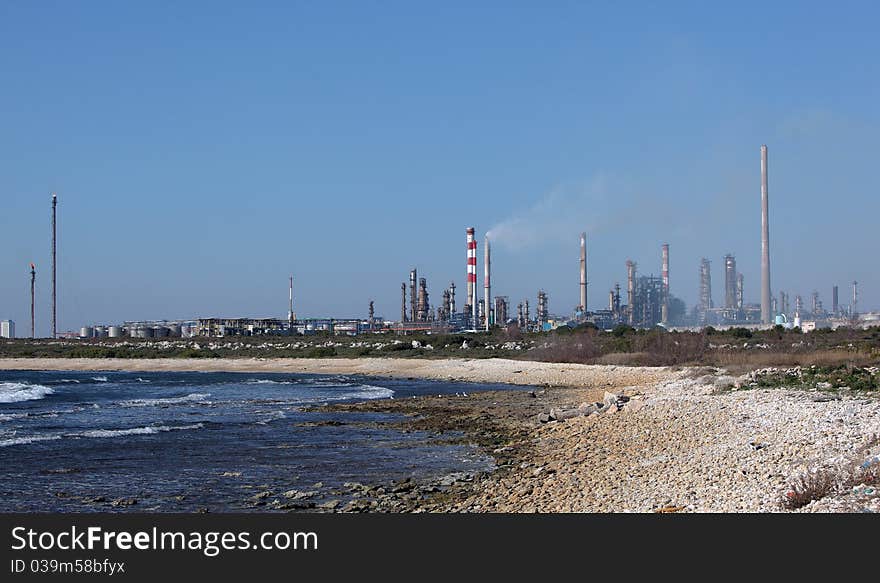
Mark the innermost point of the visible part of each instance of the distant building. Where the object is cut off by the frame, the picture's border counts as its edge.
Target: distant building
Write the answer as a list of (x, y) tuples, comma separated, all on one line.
[(7, 329)]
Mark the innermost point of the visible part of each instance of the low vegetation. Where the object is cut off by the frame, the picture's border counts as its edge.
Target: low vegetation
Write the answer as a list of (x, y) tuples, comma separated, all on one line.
[(845, 354)]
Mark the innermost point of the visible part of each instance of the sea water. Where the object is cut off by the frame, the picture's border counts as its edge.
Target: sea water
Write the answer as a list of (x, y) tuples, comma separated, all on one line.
[(187, 441)]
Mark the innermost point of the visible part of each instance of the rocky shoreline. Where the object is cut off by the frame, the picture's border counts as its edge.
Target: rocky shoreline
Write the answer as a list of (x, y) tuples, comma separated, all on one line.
[(698, 441)]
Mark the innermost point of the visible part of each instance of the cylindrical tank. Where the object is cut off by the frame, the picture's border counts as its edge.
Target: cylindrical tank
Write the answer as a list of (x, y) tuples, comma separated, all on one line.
[(114, 331), (86, 332), (175, 330), (160, 332), (100, 331)]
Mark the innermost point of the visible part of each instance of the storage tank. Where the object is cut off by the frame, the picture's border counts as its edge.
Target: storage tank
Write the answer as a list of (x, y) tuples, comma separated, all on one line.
[(175, 330), (159, 331), (114, 331), (100, 331), (86, 332)]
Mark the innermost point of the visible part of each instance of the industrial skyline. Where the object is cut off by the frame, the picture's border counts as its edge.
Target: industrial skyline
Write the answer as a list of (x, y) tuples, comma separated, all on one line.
[(647, 297), (637, 128)]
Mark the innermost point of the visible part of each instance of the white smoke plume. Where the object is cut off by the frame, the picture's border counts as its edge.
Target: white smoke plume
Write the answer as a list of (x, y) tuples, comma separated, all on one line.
[(563, 213)]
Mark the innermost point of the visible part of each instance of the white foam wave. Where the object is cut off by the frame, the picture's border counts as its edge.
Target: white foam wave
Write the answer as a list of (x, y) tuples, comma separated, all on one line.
[(149, 430), (271, 416), (100, 379), (26, 440), (191, 398), (11, 416), (140, 380), (267, 382), (16, 392), (368, 392)]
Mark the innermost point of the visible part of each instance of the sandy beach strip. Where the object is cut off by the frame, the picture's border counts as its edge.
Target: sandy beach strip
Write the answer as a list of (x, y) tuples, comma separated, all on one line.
[(489, 370)]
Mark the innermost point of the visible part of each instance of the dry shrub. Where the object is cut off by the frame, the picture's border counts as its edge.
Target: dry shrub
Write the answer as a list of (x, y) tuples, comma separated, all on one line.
[(763, 358), (666, 348), (623, 358), (808, 487), (576, 349)]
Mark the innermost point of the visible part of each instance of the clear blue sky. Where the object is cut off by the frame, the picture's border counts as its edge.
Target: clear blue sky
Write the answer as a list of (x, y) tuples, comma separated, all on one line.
[(203, 151)]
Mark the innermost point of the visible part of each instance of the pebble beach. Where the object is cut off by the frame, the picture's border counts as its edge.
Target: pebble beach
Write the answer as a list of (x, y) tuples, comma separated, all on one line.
[(671, 440)]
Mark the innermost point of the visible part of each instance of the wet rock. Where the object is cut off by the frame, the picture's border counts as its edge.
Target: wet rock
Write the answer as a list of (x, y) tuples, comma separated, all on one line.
[(121, 502), (298, 494)]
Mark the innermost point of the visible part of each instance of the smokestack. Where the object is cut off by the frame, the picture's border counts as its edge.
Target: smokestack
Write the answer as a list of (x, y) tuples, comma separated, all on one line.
[(33, 319), (664, 273), (290, 316), (834, 308), (765, 242), (583, 304), (54, 266), (472, 275), (487, 284)]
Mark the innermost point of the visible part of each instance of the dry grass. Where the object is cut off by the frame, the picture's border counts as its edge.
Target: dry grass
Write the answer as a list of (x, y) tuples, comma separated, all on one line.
[(809, 486), (760, 359), (821, 482)]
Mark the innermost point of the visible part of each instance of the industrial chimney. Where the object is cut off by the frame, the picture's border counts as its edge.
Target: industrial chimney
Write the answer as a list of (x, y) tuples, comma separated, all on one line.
[(583, 304), (472, 275), (54, 266), (33, 319), (487, 284), (765, 242)]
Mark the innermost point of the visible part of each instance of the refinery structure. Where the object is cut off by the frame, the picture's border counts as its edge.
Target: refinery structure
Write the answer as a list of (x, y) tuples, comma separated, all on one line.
[(645, 300)]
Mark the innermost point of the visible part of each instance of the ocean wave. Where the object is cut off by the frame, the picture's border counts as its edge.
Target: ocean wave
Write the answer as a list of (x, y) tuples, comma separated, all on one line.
[(140, 380), (100, 379), (270, 416), (101, 433), (149, 430), (26, 440), (268, 382), (11, 416), (368, 392), (191, 398), (17, 392)]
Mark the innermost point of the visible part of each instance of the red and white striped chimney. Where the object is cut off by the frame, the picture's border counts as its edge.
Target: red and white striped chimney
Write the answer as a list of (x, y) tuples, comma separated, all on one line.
[(472, 275)]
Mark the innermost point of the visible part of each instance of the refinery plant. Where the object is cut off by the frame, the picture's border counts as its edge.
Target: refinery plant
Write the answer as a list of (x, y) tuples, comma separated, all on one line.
[(645, 301)]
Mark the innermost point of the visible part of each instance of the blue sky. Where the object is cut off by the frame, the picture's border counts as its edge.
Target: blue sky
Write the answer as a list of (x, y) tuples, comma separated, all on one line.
[(203, 151)]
